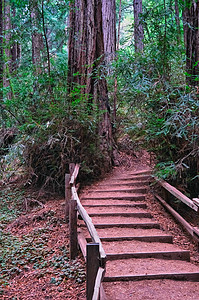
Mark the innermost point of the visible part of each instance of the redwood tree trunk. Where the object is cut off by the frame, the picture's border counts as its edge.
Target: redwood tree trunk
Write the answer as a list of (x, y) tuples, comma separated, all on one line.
[(86, 55), (138, 28), (37, 40), (191, 39), (109, 28)]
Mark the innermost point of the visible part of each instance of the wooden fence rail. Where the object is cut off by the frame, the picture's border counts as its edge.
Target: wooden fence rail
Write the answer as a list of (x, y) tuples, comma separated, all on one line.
[(176, 193), (193, 204), (95, 254)]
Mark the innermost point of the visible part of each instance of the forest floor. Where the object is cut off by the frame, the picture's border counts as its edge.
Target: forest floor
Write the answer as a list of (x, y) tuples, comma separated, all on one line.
[(34, 246)]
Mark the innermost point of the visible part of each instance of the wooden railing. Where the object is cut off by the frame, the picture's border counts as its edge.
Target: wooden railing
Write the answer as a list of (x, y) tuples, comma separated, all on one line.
[(193, 204), (94, 254)]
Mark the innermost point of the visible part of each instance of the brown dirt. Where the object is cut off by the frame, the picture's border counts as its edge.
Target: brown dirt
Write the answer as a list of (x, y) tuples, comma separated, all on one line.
[(34, 283)]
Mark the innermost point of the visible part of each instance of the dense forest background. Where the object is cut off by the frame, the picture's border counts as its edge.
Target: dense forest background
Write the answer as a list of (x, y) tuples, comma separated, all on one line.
[(83, 82)]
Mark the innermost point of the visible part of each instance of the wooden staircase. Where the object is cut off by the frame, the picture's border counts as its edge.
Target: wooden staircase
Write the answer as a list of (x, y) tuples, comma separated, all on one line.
[(137, 248)]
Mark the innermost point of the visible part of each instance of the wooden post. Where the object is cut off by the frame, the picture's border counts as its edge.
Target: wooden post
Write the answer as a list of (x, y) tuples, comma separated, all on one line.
[(92, 266), (73, 229), (67, 196), (71, 168)]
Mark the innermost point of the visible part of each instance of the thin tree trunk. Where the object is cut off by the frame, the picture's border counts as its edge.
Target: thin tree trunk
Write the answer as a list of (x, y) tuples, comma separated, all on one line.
[(45, 37), (138, 28), (117, 48), (36, 37), (177, 17)]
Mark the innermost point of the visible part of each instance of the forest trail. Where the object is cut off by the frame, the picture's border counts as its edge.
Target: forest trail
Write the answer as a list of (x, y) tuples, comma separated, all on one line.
[(142, 261)]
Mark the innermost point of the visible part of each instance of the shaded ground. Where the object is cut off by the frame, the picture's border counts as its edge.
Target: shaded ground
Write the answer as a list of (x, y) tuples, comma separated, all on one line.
[(34, 261), (34, 258)]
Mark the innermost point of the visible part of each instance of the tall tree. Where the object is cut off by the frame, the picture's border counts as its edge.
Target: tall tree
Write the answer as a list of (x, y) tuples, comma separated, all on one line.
[(138, 28), (86, 56), (37, 39), (191, 39), (109, 28)]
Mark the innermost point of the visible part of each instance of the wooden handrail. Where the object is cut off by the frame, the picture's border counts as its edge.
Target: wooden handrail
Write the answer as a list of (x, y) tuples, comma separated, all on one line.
[(98, 282), (172, 190), (74, 175), (91, 228), (94, 280)]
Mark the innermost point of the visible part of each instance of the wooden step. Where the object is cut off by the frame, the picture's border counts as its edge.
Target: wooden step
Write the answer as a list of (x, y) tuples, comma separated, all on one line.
[(131, 206), (127, 190), (119, 219), (133, 178), (150, 268), (127, 225), (188, 276), (154, 238), (134, 197), (114, 209), (127, 249), (171, 255), (110, 202), (126, 183), (122, 214)]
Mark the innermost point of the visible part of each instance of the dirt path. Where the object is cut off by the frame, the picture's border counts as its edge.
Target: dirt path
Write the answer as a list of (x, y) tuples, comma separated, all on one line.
[(142, 240), (145, 259)]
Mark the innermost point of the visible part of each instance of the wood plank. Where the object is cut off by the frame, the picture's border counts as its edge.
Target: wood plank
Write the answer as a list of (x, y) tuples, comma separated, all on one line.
[(98, 281), (172, 255), (92, 266), (67, 195), (179, 218), (135, 205), (136, 215), (192, 276), (157, 239), (134, 190), (73, 229), (127, 225), (130, 197), (74, 175), (139, 205), (82, 243), (89, 224), (171, 189)]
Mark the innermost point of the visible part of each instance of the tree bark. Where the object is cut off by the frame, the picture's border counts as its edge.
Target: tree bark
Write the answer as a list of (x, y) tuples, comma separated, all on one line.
[(85, 58), (191, 40), (109, 28), (177, 17), (37, 39), (138, 28)]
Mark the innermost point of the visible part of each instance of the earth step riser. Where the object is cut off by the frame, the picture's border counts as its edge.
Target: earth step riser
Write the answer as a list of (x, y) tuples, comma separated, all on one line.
[(134, 178), (136, 198), (172, 276), (170, 255), (127, 215), (137, 191), (141, 225), (136, 205), (132, 184), (153, 239)]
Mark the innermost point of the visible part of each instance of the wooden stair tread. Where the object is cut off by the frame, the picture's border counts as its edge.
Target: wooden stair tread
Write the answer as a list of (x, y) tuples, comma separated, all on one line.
[(149, 267), (137, 214), (138, 246)]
